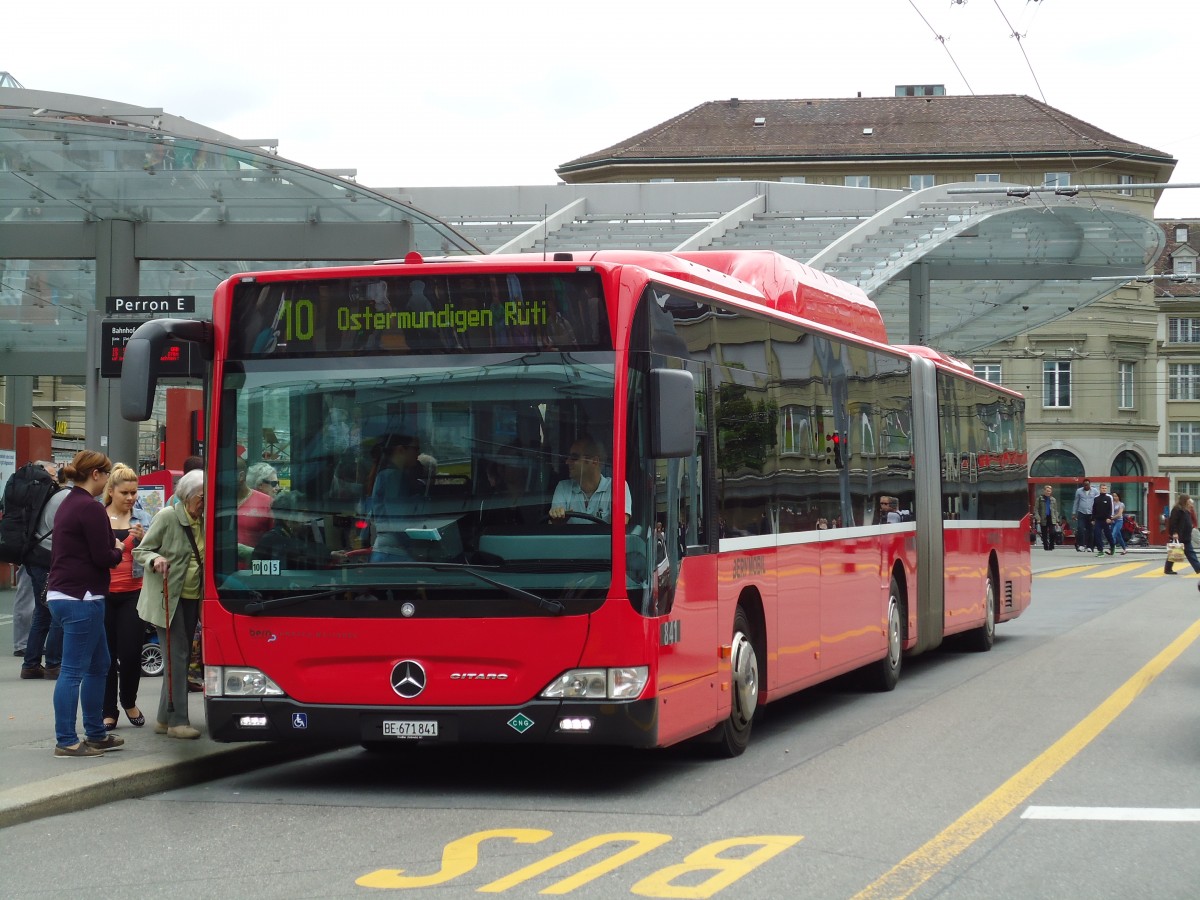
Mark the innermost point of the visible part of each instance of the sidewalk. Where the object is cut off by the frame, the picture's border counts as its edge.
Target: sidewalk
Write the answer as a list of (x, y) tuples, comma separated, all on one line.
[(34, 783)]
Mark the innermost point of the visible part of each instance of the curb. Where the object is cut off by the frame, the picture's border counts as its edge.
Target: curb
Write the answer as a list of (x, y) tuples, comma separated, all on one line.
[(99, 783)]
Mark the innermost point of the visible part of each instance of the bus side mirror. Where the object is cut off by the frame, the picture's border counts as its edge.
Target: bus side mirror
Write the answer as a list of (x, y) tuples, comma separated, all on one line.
[(139, 371), (672, 414)]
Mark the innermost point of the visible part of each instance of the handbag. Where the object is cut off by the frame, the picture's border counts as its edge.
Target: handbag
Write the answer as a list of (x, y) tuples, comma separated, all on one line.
[(1175, 552)]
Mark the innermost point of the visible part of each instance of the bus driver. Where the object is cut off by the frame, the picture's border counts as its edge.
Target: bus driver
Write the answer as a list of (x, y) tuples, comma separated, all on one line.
[(586, 490)]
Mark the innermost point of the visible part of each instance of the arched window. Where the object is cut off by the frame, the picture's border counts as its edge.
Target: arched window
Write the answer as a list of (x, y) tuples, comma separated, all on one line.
[(1059, 464), (1134, 494), (1056, 464), (1128, 463)]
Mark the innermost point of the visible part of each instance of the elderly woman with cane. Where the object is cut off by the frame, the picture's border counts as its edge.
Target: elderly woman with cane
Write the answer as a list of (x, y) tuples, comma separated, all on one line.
[(173, 553)]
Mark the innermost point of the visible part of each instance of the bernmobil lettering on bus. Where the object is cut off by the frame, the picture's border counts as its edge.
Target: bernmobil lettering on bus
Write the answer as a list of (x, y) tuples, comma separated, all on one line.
[(143, 306)]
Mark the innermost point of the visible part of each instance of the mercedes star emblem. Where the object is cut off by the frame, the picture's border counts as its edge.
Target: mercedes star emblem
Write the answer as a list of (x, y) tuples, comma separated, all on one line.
[(408, 678)]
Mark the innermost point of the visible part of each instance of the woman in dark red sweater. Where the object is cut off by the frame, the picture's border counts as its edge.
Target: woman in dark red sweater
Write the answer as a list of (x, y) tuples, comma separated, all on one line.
[(84, 551)]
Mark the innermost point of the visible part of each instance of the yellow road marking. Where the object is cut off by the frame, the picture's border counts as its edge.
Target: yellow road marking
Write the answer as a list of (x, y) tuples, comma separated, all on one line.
[(926, 861), (1110, 571), (1157, 572), (1063, 573)]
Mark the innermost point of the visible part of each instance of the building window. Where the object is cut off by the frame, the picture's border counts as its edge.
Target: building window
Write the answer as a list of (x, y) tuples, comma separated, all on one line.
[(988, 178), (797, 435), (1057, 179), (794, 179), (662, 180), (858, 181), (728, 178), (1181, 234), (988, 372), (1183, 266), (920, 182), (1184, 437), (1056, 384), (1187, 487), (1183, 330), (1125, 385), (1183, 381), (1125, 179), (1057, 464)]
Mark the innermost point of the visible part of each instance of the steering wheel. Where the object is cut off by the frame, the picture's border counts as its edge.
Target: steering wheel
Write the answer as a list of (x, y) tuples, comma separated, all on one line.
[(576, 514)]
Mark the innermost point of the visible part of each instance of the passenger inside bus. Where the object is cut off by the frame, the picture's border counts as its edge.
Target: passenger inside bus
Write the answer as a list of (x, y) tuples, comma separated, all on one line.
[(293, 540), (587, 490), (889, 512), (397, 484), (507, 475), (253, 516)]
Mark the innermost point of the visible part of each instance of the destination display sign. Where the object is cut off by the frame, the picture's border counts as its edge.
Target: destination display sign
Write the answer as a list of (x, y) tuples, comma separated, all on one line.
[(176, 361), (436, 314), (148, 306)]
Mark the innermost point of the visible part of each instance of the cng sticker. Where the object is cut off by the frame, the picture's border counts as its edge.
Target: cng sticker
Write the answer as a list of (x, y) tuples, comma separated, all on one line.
[(520, 723)]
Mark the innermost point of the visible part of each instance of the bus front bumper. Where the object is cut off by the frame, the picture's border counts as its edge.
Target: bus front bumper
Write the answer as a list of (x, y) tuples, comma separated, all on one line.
[(631, 723)]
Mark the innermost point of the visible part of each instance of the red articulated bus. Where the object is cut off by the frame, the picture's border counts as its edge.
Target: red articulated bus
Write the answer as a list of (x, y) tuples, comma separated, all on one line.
[(455, 560)]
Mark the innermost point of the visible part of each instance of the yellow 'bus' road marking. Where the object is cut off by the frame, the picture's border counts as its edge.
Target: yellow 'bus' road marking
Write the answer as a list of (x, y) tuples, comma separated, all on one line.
[(1110, 571), (926, 861)]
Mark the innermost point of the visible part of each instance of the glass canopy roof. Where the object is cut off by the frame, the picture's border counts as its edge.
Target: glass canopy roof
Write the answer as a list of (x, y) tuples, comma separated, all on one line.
[(68, 160), (1019, 268)]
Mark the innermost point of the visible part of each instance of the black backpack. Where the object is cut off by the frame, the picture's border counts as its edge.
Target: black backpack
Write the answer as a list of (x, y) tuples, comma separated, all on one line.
[(26, 494)]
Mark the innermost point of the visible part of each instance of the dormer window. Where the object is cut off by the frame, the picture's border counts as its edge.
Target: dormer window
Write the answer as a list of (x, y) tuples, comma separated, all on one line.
[(1181, 234), (1183, 260), (760, 122)]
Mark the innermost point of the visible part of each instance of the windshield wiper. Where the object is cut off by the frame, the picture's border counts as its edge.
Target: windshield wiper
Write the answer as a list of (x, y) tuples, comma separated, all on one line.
[(258, 606), (548, 605), (553, 606)]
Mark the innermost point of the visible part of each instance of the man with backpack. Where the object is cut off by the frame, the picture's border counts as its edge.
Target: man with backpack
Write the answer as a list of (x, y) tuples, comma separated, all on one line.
[(31, 498)]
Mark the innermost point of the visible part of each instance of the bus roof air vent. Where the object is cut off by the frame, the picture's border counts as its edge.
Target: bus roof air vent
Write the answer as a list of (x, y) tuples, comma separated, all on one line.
[(413, 258)]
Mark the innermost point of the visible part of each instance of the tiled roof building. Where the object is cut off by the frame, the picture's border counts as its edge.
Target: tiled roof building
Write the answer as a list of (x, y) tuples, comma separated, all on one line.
[(827, 139)]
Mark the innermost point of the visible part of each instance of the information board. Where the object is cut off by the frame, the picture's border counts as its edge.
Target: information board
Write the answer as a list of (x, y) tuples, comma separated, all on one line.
[(176, 361)]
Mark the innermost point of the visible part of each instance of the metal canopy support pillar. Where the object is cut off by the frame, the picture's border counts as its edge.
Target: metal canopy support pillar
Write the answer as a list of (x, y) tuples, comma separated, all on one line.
[(116, 273), (18, 399), (918, 303)]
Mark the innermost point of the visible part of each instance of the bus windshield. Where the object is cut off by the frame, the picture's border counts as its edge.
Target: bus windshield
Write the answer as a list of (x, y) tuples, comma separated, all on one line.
[(413, 486)]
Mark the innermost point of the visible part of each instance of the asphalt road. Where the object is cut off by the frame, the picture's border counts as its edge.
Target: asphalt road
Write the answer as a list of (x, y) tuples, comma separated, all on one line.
[(1064, 763)]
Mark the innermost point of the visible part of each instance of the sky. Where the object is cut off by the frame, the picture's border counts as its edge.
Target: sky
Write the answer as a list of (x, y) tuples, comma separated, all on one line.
[(482, 93)]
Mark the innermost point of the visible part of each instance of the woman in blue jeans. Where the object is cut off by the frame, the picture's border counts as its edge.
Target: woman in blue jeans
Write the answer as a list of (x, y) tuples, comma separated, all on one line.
[(84, 551)]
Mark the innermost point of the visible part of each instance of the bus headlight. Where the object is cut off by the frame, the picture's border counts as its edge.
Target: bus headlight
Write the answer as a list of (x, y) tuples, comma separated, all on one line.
[(627, 682), (620, 683), (238, 681)]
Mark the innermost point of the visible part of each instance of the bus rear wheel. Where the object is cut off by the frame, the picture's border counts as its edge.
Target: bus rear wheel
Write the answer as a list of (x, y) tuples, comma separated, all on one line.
[(733, 735), (885, 674), (981, 639)]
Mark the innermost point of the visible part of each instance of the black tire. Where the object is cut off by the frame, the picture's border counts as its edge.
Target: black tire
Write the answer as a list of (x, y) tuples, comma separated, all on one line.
[(884, 675), (981, 639), (732, 736)]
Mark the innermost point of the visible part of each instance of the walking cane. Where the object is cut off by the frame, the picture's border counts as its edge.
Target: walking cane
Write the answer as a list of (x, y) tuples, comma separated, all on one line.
[(166, 651)]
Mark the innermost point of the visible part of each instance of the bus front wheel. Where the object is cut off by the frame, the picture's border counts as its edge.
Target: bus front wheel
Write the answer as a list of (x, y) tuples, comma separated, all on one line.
[(733, 735)]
